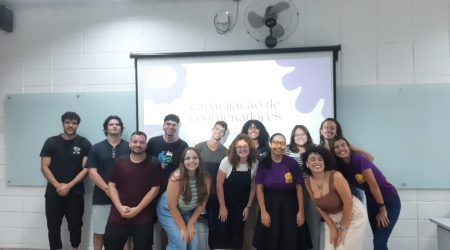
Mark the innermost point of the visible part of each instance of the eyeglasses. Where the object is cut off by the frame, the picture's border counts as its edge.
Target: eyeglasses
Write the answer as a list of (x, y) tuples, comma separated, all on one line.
[(113, 152), (243, 148), (278, 143), (300, 135)]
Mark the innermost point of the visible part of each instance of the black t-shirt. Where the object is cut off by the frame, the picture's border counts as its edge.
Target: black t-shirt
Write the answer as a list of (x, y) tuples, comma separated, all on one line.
[(168, 155), (66, 161), (101, 158)]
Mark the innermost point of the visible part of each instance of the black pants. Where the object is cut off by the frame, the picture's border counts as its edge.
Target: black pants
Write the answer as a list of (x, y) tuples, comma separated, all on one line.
[(57, 207), (116, 236), (283, 233)]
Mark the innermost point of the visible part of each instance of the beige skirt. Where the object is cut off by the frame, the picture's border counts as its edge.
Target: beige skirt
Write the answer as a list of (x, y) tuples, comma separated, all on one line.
[(356, 231)]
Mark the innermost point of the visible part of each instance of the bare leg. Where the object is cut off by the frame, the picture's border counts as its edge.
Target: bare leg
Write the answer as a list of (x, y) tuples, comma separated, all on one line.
[(98, 241)]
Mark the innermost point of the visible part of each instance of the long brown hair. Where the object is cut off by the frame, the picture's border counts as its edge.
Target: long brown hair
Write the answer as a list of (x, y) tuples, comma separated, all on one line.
[(200, 176), (233, 157)]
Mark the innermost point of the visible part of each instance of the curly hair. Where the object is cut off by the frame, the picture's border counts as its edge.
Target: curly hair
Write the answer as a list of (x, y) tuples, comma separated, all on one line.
[(233, 157), (323, 152), (263, 137)]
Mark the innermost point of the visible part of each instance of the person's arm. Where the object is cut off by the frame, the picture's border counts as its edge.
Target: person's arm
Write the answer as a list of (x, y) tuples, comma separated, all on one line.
[(47, 173), (366, 155), (149, 197), (98, 180), (251, 197), (173, 193), (65, 188), (382, 218), (343, 189), (265, 217), (326, 218), (223, 211), (198, 210), (114, 195), (301, 211)]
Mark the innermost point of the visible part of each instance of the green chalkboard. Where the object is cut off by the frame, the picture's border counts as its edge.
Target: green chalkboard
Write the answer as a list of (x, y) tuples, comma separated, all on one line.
[(404, 127), (31, 118)]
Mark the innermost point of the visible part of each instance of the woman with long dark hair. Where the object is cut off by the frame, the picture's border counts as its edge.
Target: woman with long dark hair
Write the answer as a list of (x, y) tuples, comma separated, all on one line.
[(301, 140), (185, 198), (383, 202)]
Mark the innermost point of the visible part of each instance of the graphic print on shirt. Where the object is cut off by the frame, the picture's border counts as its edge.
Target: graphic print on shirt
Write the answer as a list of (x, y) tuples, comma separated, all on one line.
[(76, 150), (288, 177), (165, 157), (360, 178)]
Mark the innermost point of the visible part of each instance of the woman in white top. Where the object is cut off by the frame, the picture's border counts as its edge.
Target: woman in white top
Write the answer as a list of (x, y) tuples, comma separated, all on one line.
[(235, 191)]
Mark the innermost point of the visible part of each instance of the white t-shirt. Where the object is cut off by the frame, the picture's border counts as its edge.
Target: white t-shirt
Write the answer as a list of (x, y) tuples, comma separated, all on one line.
[(226, 167)]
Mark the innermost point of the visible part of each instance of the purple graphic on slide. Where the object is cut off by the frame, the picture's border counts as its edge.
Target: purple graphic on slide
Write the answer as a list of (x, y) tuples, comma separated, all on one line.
[(308, 74), (167, 95)]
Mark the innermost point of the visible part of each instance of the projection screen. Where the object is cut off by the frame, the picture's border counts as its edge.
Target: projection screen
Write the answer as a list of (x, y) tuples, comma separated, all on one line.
[(281, 88)]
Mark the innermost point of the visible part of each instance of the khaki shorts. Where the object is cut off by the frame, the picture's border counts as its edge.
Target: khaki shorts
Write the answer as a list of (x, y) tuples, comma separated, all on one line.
[(100, 214)]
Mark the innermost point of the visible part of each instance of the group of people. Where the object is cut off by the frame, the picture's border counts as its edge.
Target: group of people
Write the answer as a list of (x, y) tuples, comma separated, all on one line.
[(297, 184)]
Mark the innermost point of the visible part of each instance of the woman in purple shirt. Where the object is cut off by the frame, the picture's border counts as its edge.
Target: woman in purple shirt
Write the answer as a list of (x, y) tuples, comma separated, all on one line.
[(383, 202), (280, 198)]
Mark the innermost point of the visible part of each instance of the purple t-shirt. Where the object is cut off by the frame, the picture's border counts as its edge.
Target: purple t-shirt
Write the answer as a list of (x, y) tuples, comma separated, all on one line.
[(353, 174), (278, 175), (133, 181)]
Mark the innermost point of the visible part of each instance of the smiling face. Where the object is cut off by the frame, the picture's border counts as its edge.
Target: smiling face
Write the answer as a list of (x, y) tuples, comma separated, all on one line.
[(278, 145), (315, 163), (242, 149), (300, 137), (253, 131), (218, 132), (170, 128), (191, 161), (138, 144), (70, 127), (328, 130), (342, 149)]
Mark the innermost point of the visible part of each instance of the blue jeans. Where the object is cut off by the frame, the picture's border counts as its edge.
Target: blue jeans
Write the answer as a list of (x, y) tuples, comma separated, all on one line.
[(381, 234), (172, 230)]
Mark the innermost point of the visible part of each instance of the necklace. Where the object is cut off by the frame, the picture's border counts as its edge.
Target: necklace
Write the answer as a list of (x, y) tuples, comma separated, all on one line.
[(319, 185)]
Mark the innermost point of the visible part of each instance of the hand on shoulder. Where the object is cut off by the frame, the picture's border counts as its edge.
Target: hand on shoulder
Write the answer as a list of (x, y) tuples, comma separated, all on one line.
[(175, 176)]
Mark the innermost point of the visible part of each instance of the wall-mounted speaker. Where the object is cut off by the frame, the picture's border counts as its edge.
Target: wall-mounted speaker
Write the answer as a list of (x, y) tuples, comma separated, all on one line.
[(6, 19)]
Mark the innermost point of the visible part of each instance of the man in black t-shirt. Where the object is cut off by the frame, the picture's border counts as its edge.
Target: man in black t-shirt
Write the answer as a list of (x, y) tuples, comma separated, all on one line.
[(62, 160), (101, 159), (167, 148)]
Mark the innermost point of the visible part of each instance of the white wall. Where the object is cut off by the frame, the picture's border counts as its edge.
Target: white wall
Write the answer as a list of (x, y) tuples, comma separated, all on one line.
[(70, 48)]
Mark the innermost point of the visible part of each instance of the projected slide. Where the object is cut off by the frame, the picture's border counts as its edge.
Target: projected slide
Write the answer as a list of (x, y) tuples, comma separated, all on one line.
[(281, 90)]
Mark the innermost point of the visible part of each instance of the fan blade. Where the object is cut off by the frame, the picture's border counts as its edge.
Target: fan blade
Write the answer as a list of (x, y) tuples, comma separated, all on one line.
[(255, 20), (268, 11), (277, 31), (278, 7)]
